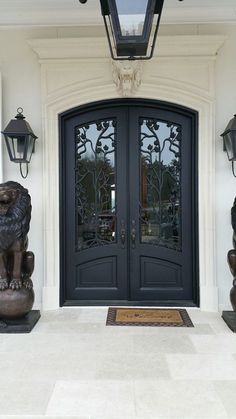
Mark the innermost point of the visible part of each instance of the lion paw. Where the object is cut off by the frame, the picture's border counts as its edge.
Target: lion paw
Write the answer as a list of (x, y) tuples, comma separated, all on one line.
[(15, 284), (28, 284), (3, 284)]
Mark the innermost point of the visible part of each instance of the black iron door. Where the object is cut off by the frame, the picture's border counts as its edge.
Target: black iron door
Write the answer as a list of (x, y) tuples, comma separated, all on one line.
[(128, 219)]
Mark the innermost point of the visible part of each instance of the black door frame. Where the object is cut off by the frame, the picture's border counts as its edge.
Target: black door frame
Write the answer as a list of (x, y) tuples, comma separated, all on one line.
[(155, 104)]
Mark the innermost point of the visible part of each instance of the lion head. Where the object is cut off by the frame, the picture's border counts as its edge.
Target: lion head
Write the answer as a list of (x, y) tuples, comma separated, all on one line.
[(8, 196), (15, 213)]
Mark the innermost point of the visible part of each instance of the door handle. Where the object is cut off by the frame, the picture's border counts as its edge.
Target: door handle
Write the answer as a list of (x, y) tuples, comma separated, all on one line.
[(133, 234), (122, 233)]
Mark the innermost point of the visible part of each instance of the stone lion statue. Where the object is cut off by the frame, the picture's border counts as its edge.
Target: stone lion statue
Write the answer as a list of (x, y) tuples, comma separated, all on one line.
[(233, 221), (16, 264), (232, 257)]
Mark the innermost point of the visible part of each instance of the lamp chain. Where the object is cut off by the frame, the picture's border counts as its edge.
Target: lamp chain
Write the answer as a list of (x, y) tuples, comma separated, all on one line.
[(24, 175)]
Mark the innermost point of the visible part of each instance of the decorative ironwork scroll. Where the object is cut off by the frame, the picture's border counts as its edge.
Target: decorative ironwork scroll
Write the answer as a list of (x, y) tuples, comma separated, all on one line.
[(160, 183), (95, 183)]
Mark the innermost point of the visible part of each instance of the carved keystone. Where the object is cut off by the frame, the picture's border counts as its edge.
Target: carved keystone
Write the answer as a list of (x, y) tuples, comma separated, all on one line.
[(127, 76)]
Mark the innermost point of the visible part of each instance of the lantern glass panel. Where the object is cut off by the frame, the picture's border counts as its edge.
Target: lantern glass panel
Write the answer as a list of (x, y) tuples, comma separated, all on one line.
[(230, 144), (132, 16), (12, 145), (20, 148), (16, 147), (30, 150)]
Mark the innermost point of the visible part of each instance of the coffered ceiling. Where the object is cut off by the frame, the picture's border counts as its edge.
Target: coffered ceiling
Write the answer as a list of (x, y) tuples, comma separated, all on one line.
[(72, 12)]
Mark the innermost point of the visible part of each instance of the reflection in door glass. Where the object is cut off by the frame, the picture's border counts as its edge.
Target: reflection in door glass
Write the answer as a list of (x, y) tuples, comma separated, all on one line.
[(160, 167), (131, 16), (95, 182)]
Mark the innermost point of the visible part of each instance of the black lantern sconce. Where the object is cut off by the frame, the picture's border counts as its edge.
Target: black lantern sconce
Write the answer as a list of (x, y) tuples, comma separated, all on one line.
[(229, 140), (20, 141), (131, 27)]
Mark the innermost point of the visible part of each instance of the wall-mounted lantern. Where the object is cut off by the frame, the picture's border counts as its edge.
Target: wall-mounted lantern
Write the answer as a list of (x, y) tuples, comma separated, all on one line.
[(131, 27), (229, 139), (20, 140)]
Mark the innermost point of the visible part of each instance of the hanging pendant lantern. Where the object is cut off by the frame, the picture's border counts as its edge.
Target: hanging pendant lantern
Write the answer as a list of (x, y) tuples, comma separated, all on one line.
[(131, 27)]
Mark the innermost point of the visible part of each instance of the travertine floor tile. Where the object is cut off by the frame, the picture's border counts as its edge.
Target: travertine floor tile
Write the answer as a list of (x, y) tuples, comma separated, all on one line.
[(93, 314), (199, 329), (152, 417), (12, 366), (186, 399), (62, 315), (167, 343), (23, 397), (79, 366), (92, 398), (132, 417), (226, 393), (198, 316), (68, 328), (201, 367), (215, 344), (43, 417), (133, 366)]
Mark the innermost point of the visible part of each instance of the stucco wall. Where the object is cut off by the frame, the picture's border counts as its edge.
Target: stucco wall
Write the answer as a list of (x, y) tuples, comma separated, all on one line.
[(21, 87)]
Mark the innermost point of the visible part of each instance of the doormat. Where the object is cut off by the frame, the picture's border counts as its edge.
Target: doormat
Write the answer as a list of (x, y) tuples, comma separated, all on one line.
[(148, 317)]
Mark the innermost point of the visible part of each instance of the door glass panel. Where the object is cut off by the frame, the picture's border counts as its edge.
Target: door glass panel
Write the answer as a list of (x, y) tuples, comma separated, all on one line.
[(95, 183), (160, 172), (131, 16)]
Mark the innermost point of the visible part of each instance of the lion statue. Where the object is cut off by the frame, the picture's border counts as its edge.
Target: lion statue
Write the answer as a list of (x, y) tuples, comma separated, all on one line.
[(233, 221), (16, 264)]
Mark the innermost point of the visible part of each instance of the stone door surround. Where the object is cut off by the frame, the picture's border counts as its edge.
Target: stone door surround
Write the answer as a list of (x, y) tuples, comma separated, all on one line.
[(77, 71)]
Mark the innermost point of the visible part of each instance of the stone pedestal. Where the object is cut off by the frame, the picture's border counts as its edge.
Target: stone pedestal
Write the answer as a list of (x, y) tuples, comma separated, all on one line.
[(230, 319), (22, 325)]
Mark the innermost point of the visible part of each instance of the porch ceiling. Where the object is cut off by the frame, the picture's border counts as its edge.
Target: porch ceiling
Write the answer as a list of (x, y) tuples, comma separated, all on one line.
[(72, 13)]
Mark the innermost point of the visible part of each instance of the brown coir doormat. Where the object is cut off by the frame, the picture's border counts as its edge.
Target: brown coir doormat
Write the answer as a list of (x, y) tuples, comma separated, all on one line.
[(148, 317)]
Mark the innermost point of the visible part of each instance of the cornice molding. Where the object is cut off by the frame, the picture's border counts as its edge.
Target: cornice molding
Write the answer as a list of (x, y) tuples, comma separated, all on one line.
[(87, 48), (69, 14)]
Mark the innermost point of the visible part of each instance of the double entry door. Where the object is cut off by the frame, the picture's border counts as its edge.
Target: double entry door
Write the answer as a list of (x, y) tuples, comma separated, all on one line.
[(128, 219)]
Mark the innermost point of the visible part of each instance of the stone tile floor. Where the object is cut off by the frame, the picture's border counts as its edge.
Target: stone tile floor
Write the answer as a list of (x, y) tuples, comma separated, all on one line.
[(72, 366)]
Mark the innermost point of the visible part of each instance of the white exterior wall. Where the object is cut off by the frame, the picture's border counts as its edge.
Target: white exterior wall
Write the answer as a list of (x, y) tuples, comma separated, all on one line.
[(21, 84)]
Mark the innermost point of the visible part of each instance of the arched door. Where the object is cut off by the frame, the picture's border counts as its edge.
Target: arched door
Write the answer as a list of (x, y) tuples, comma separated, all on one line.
[(129, 204)]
